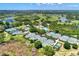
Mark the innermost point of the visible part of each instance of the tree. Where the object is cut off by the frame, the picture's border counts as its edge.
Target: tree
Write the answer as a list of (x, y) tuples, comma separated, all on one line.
[(2, 36), (77, 17), (33, 29), (67, 45), (41, 31), (38, 44), (77, 36), (35, 17), (32, 41), (35, 22), (7, 24), (48, 50), (1, 23), (70, 16), (17, 24), (74, 46), (57, 31)]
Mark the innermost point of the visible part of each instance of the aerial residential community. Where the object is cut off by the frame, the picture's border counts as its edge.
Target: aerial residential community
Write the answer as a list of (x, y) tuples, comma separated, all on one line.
[(39, 32)]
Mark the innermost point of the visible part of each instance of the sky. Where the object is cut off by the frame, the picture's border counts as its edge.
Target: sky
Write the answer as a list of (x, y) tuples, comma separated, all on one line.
[(39, 6)]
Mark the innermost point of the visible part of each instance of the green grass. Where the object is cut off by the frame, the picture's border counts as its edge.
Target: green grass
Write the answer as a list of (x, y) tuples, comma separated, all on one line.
[(7, 37)]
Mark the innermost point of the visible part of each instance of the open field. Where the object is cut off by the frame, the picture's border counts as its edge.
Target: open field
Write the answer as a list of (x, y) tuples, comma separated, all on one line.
[(15, 48)]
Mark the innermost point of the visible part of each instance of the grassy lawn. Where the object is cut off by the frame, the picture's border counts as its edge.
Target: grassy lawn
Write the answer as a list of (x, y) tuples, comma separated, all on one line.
[(7, 37)]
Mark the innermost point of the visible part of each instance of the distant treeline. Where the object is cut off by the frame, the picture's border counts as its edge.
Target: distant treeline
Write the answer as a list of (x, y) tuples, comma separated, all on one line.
[(40, 11)]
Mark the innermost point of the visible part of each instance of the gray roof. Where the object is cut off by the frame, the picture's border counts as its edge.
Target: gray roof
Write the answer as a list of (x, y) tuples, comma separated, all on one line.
[(10, 29), (72, 40), (53, 34), (64, 38), (13, 31), (63, 19), (44, 40)]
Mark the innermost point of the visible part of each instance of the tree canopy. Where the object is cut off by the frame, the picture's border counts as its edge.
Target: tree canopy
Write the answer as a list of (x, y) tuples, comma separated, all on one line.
[(67, 45), (38, 44), (49, 51), (75, 46)]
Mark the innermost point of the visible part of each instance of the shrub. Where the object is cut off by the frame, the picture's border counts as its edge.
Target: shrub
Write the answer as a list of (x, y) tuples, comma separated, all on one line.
[(32, 41), (41, 31), (57, 31), (49, 51), (38, 44), (4, 54), (33, 29), (67, 45), (74, 46), (2, 36)]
